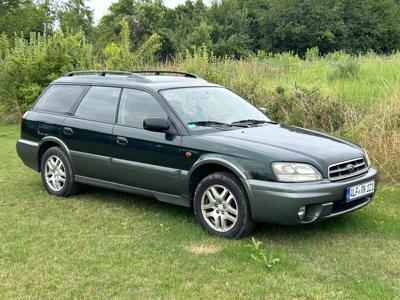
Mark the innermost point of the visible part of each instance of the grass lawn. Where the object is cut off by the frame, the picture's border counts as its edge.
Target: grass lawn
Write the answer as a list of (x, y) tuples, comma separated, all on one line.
[(102, 244)]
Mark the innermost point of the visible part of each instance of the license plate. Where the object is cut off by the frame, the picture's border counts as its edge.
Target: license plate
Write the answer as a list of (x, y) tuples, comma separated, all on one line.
[(358, 191)]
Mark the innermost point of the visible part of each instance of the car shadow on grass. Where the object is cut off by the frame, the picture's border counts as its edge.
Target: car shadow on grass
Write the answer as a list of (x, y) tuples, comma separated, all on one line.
[(348, 224), (132, 201)]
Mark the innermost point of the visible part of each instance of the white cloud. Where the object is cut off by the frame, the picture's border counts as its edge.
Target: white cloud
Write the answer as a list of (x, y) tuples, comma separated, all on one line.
[(100, 7), (173, 3)]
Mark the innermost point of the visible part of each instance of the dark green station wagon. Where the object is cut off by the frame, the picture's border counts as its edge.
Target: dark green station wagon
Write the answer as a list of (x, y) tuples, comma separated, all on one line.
[(183, 140)]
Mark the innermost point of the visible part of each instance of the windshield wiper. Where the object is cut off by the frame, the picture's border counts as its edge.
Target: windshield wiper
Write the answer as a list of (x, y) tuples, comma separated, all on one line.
[(209, 123), (252, 122)]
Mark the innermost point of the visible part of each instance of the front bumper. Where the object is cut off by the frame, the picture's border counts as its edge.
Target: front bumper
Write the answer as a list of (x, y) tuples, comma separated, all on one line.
[(277, 202)]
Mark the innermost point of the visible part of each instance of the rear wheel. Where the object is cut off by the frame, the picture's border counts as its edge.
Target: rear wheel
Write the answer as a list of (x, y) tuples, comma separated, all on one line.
[(57, 174), (221, 206)]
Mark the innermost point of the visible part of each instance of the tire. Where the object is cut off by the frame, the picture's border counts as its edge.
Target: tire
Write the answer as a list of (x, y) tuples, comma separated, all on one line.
[(57, 174), (221, 206)]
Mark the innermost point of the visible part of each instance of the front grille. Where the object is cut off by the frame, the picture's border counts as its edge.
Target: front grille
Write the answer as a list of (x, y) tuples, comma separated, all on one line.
[(347, 169)]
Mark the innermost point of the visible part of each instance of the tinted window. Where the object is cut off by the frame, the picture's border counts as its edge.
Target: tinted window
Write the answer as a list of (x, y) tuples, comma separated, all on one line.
[(136, 106), (60, 98), (99, 104)]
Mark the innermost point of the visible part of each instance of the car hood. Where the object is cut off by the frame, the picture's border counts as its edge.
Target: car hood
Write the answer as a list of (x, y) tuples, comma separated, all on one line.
[(290, 143)]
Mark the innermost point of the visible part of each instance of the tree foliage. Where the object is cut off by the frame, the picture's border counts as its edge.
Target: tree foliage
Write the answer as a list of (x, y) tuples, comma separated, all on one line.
[(75, 16), (351, 25), (231, 28), (25, 16)]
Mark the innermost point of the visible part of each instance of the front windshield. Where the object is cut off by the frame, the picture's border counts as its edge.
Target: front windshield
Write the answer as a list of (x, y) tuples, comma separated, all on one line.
[(210, 104)]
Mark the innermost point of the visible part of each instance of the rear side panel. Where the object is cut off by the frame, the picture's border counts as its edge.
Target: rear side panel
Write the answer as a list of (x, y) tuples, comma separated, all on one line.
[(34, 127), (37, 125)]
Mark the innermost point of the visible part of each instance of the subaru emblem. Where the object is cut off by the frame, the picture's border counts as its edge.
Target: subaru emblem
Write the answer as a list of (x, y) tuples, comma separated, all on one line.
[(350, 167)]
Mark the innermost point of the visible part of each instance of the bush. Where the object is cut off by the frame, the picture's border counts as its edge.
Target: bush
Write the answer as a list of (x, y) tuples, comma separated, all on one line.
[(345, 69), (309, 108), (31, 65), (119, 56)]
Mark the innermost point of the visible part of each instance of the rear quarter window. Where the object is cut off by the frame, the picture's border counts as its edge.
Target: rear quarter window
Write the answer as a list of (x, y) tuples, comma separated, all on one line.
[(60, 99)]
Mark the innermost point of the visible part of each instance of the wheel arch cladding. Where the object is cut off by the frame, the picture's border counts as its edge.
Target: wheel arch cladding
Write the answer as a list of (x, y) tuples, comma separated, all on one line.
[(50, 142), (209, 167)]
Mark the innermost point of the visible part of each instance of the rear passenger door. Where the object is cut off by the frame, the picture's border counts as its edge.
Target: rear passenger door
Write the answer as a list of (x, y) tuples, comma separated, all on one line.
[(142, 158), (88, 133)]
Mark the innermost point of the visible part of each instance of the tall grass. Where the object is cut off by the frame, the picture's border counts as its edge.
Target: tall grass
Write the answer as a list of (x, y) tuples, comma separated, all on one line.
[(379, 132)]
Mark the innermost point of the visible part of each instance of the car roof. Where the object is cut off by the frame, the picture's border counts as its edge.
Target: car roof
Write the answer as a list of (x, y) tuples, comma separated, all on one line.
[(154, 82)]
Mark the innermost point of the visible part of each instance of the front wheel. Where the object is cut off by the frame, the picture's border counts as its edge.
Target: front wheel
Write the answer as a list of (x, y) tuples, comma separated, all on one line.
[(221, 206), (57, 174)]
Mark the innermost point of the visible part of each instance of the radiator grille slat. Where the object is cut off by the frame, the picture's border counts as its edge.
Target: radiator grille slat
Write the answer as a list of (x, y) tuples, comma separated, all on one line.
[(347, 169)]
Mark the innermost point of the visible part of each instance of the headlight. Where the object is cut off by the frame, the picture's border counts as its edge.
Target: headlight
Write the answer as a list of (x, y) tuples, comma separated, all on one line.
[(295, 172), (367, 158)]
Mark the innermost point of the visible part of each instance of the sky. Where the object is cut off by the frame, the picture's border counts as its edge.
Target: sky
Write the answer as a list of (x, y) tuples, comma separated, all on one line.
[(100, 7)]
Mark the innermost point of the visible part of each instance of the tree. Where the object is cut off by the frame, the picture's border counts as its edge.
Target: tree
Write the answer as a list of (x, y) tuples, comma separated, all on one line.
[(75, 16), (144, 18), (187, 26), (352, 25), (25, 16), (290, 25), (371, 25), (230, 27)]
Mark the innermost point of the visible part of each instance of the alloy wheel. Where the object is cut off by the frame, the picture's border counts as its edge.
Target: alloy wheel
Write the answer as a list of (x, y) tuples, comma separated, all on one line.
[(55, 173), (219, 208)]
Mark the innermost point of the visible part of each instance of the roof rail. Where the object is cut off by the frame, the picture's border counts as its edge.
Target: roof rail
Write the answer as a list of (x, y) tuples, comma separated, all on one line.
[(105, 72), (159, 72)]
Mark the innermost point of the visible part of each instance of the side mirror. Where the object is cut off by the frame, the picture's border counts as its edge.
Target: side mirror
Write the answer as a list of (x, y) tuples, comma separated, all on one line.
[(156, 124), (263, 110)]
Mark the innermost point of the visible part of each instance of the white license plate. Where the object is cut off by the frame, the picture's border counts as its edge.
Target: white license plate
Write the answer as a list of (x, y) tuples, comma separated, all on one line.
[(358, 191)]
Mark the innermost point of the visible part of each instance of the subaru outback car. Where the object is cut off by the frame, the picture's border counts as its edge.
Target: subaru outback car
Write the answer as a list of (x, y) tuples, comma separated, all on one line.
[(185, 141)]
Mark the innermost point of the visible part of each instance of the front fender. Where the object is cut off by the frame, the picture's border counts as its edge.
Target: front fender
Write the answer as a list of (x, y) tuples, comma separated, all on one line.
[(231, 163)]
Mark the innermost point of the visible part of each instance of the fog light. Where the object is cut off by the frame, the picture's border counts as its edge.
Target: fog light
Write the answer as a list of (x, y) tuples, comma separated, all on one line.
[(301, 214)]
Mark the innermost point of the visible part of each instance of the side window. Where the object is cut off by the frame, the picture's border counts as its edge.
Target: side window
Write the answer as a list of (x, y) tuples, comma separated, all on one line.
[(60, 98), (136, 106), (99, 104)]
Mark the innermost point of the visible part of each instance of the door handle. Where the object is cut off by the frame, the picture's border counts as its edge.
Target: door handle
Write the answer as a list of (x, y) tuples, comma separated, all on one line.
[(68, 131), (122, 141)]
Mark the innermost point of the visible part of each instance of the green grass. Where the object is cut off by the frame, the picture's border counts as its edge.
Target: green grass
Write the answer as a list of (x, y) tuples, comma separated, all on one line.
[(377, 78), (103, 244)]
